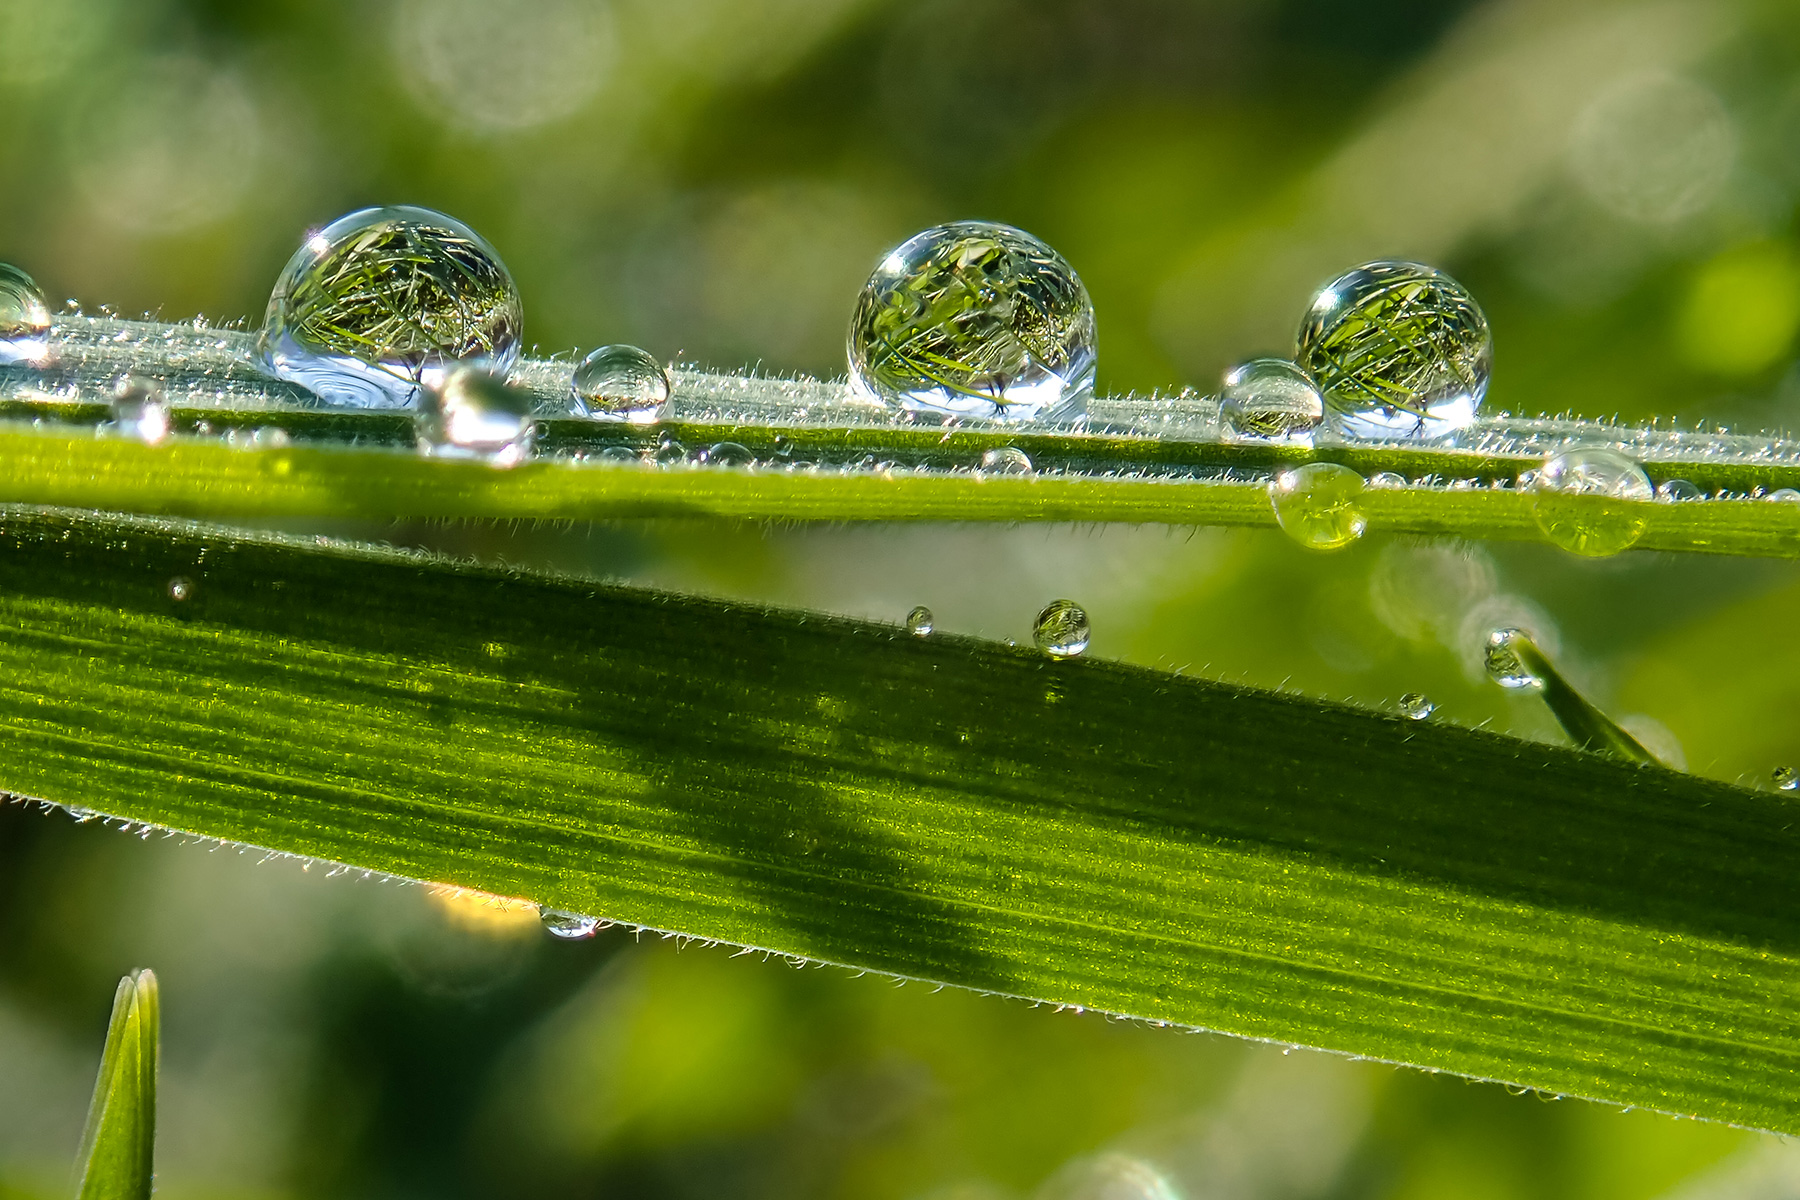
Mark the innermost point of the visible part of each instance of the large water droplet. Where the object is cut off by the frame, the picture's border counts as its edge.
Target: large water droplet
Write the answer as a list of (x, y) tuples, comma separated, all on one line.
[(1416, 706), (386, 301), (1505, 665), (568, 926), (475, 415), (139, 409), (1061, 630), (1005, 460), (1589, 500), (1399, 350), (919, 622), (974, 319), (1318, 505), (24, 318), (1784, 496), (620, 383), (1270, 400)]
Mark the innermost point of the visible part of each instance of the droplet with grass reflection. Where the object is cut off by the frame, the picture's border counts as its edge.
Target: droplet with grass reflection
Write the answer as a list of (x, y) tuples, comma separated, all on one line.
[(1269, 400), (1398, 350), (975, 319), (920, 622), (24, 318), (386, 301), (1591, 500), (1416, 706), (1504, 657), (474, 415), (1319, 505), (1061, 629), (568, 926), (620, 383)]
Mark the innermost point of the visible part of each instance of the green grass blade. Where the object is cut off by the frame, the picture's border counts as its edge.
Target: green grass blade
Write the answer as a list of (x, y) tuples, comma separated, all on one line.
[(1141, 459), (118, 1146), (1081, 832)]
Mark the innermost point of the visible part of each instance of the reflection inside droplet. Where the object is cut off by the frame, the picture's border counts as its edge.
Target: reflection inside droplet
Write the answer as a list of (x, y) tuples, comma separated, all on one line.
[(1318, 505), (1061, 629), (475, 415), (620, 383)]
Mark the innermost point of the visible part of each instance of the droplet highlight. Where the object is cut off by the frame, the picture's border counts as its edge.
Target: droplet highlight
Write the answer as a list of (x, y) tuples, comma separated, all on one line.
[(139, 410), (1269, 400), (24, 318), (1318, 505), (476, 416), (1590, 501), (181, 588), (1005, 460), (1061, 630), (620, 383), (1398, 350), (1416, 706), (975, 319), (920, 622), (385, 302), (568, 926)]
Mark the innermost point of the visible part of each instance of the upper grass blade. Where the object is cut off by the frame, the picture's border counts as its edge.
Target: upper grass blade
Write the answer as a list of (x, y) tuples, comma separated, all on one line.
[(118, 1146), (1079, 832)]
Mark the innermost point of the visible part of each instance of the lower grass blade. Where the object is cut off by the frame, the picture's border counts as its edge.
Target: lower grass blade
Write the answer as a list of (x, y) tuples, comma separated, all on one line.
[(117, 1158), (1078, 832)]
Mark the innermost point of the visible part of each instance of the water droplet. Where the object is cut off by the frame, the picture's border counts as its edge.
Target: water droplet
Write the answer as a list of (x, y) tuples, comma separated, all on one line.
[(1270, 400), (620, 383), (669, 451), (730, 454), (568, 926), (1005, 460), (1783, 495), (974, 319), (475, 415), (24, 318), (1317, 505), (919, 622), (1588, 500), (139, 410), (181, 588), (1399, 350), (1677, 491), (385, 302), (1416, 706), (784, 447), (1504, 664), (1061, 630), (1387, 480), (1786, 778), (619, 454)]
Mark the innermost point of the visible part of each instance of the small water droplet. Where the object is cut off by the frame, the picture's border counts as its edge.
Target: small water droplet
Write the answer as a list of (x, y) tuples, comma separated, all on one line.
[(475, 415), (24, 318), (1398, 350), (1784, 496), (1005, 460), (1504, 665), (1676, 491), (1270, 400), (1061, 630), (1786, 778), (386, 301), (975, 319), (1589, 500), (620, 383), (139, 410), (1387, 480), (619, 454), (568, 926), (669, 451), (1416, 706), (1317, 505), (181, 588), (919, 622), (729, 454)]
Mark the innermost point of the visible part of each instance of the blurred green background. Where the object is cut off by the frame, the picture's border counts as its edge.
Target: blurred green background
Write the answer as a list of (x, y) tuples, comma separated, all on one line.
[(712, 179)]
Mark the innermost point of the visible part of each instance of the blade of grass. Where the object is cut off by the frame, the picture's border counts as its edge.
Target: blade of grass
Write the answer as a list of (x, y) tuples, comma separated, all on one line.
[(1080, 832), (1139, 460), (118, 1146)]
